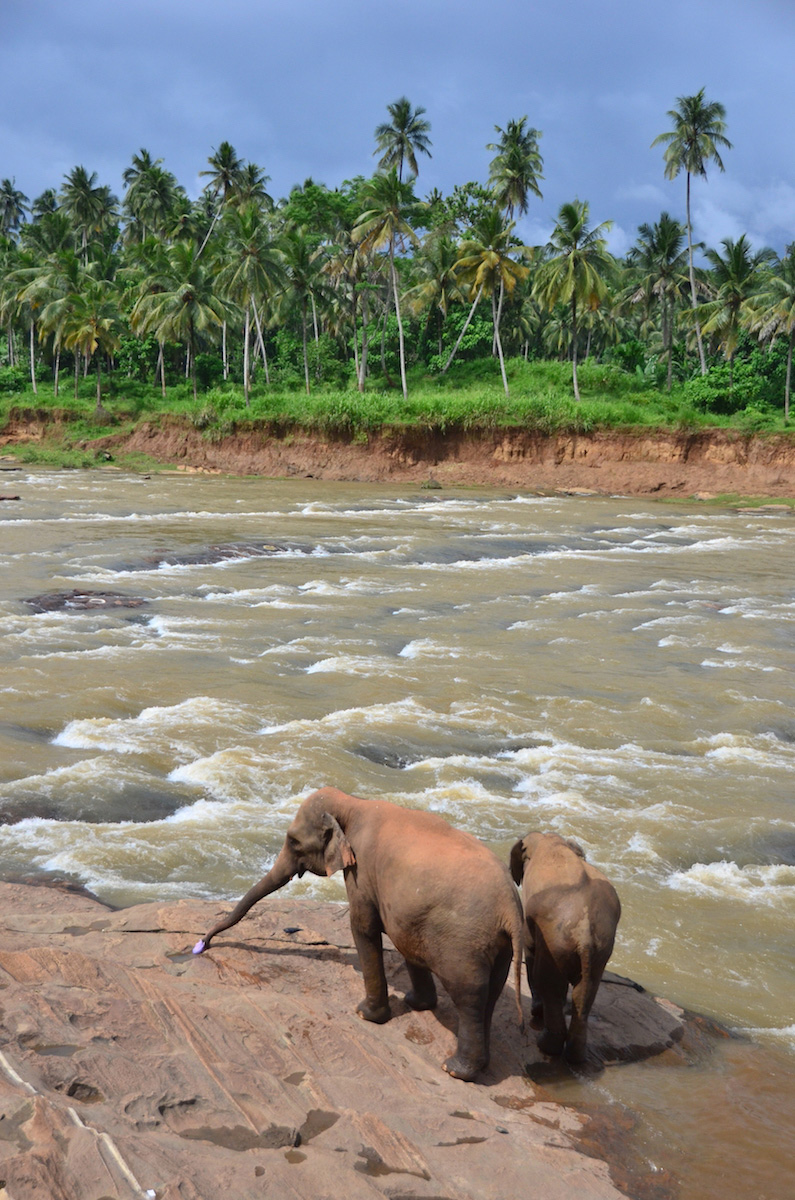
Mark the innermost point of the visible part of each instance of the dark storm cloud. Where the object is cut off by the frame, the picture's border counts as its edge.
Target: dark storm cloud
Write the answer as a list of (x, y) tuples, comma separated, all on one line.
[(299, 87)]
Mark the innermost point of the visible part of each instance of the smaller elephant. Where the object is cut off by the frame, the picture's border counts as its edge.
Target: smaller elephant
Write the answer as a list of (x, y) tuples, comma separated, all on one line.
[(571, 912)]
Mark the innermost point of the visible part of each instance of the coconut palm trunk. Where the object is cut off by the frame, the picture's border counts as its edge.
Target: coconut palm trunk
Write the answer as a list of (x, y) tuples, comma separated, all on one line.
[(98, 408), (495, 318), (401, 342), (246, 355), (365, 347), (460, 338), (261, 343), (304, 343), (33, 357), (693, 300), (574, 346)]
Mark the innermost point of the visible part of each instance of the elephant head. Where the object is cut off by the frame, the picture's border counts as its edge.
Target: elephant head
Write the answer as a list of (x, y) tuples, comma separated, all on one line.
[(315, 842), (523, 851)]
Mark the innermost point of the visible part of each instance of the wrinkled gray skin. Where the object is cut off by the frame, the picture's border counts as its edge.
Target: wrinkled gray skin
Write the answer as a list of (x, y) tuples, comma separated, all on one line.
[(444, 899), (571, 912)]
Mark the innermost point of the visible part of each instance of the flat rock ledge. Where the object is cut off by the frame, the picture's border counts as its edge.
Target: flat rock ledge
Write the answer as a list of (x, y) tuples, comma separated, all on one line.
[(130, 1068)]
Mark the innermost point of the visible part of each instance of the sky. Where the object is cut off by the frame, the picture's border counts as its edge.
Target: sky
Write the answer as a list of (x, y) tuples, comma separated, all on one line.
[(298, 87)]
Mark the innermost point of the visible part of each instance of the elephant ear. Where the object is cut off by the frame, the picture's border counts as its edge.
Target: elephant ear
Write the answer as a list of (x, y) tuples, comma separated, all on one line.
[(338, 854), (575, 846), (517, 862)]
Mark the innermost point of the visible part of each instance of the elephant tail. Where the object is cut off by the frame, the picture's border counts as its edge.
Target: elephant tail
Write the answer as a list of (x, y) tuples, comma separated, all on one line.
[(515, 930)]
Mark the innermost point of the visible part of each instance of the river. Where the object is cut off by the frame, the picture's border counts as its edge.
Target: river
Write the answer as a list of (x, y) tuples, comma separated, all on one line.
[(613, 669)]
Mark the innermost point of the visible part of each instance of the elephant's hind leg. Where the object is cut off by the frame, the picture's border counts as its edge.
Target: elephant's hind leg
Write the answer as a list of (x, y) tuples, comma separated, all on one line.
[(423, 988), (582, 998), (536, 1003), (499, 974), (471, 1056), (550, 987)]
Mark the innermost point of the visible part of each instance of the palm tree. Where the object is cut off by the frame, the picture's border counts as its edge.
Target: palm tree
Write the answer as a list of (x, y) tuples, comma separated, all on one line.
[(47, 202), (303, 261), (574, 273), (347, 268), (773, 312), (51, 233), (516, 167), (224, 177), (9, 305), (390, 204), (225, 171), (17, 306), (696, 139), (252, 187), (252, 269), (50, 284), (399, 141), (182, 304), (438, 285), (93, 325), (91, 207), (137, 180), (485, 265), (514, 172), (660, 259), (146, 271), (735, 278), (151, 197), (13, 206)]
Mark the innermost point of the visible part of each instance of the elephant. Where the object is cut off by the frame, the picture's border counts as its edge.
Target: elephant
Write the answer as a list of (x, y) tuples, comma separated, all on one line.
[(571, 911), (445, 900)]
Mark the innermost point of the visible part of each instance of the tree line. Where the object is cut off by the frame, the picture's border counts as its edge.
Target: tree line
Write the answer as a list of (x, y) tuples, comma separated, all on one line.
[(366, 282)]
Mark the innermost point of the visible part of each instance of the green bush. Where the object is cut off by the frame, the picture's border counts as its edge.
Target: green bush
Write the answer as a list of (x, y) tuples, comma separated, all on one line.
[(14, 379), (725, 391)]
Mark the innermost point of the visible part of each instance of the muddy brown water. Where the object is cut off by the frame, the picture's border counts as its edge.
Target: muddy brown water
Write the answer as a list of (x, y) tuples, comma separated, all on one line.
[(618, 670)]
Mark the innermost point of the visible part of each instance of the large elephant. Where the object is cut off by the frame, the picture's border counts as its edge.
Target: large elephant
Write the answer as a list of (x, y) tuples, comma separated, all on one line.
[(571, 912), (444, 899)]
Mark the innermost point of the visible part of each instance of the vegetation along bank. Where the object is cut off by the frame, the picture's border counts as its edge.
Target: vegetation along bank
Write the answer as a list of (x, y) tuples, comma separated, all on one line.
[(420, 329)]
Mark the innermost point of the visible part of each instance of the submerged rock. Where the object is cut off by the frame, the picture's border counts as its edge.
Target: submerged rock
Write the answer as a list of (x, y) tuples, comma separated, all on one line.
[(127, 1062), (78, 600), (225, 551)]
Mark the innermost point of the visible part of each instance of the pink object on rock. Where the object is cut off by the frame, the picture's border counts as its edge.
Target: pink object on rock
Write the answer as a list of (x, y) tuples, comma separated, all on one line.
[(198, 948)]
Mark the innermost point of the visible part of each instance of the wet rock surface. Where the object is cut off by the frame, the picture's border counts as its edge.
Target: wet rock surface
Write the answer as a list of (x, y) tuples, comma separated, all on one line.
[(78, 600), (129, 1066), (225, 552)]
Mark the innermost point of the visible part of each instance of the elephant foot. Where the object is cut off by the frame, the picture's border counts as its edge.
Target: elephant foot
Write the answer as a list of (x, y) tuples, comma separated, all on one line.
[(421, 1001), (461, 1068), (550, 1043), (537, 1016), (575, 1052), (379, 1015)]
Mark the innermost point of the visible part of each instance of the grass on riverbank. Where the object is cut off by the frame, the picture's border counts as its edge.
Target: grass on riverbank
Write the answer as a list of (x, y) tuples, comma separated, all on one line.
[(470, 399)]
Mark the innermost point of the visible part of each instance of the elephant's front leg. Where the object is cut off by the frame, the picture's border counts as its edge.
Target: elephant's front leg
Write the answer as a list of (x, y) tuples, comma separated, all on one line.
[(366, 930)]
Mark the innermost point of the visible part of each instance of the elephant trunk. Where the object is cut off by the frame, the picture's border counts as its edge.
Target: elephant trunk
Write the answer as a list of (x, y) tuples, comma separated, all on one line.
[(280, 873)]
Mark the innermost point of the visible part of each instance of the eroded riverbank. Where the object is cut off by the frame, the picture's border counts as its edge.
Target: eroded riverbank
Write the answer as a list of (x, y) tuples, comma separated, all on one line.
[(651, 463)]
